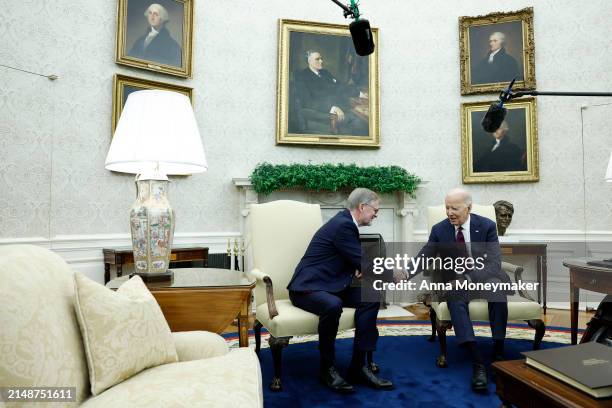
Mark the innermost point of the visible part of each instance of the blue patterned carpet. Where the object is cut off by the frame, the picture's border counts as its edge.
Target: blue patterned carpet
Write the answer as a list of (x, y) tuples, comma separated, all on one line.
[(407, 359)]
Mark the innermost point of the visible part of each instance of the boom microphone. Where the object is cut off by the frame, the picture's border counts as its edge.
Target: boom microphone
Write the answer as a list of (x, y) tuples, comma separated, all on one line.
[(361, 33), (362, 37), (497, 113)]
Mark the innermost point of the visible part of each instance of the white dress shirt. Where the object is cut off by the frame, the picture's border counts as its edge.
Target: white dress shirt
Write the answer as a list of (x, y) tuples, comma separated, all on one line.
[(492, 55)]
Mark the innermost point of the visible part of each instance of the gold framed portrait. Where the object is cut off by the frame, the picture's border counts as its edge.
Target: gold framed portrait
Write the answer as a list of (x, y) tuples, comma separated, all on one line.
[(327, 95), (510, 154), (155, 35), (124, 85), (496, 48)]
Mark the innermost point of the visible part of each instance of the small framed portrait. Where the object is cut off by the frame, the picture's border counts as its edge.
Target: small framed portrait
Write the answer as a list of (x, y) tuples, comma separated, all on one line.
[(508, 155), (124, 85), (496, 48), (156, 35), (327, 94)]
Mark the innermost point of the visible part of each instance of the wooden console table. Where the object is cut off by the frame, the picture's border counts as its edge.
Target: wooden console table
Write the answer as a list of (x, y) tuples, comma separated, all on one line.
[(124, 255), (524, 386), (582, 275), (203, 299), (539, 251)]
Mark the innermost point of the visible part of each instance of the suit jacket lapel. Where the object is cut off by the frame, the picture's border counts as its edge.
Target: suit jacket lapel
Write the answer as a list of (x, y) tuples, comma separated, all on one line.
[(475, 229), (450, 230)]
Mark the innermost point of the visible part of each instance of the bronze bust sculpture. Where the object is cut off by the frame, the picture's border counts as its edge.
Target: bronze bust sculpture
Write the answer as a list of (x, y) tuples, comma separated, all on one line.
[(504, 210)]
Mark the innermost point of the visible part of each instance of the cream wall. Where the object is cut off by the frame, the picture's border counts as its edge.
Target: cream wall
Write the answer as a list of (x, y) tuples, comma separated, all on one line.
[(54, 135)]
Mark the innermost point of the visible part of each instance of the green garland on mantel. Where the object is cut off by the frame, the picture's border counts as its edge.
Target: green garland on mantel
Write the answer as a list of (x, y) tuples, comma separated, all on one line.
[(267, 178)]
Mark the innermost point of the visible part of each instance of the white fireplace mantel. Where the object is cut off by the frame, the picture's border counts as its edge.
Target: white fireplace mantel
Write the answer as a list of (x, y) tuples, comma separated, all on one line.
[(395, 221)]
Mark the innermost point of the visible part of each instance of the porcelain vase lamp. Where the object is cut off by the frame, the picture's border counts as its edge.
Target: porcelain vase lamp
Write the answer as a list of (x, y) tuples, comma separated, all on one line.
[(156, 136)]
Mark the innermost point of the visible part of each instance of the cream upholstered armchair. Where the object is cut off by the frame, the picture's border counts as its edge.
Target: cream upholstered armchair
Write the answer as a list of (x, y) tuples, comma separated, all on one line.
[(279, 235), (520, 306)]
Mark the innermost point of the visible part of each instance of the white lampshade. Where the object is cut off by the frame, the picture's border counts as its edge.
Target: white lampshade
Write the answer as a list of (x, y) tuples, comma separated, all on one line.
[(157, 128), (609, 171)]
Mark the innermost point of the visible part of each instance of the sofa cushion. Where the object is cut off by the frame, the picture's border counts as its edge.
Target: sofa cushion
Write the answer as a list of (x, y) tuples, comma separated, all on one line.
[(231, 380), (194, 345), (123, 332), (40, 341)]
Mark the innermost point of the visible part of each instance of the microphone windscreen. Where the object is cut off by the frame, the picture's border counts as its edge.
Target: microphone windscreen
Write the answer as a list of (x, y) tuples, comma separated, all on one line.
[(493, 118), (362, 37)]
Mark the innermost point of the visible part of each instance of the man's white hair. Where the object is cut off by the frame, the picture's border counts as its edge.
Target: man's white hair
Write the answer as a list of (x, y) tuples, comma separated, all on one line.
[(163, 13), (500, 36), (463, 193), (360, 196)]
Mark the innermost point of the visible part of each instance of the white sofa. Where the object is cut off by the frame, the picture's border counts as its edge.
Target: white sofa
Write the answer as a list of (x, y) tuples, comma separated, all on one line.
[(41, 346)]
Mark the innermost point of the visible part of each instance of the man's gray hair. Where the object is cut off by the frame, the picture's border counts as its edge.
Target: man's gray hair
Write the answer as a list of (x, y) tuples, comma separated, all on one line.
[(465, 195), (310, 52), (360, 196), (501, 36), (163, 13), (504, 125)]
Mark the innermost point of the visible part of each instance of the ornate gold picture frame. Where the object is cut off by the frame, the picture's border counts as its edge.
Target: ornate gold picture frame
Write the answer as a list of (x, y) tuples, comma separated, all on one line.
[(124, 85), (327, 94), (510, 154), (496, 48), (155, 35)]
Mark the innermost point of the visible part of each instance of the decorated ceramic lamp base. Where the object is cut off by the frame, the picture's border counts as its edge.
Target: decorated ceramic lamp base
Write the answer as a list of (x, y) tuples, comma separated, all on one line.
[(152, 226)]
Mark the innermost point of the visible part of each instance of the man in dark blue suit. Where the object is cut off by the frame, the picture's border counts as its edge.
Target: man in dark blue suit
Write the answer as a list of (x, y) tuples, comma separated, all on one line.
[(466, 235), (321, 285)]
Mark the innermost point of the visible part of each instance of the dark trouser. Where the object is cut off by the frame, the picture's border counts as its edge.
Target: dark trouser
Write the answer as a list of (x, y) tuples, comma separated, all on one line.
[(460, 314), (328, 306)]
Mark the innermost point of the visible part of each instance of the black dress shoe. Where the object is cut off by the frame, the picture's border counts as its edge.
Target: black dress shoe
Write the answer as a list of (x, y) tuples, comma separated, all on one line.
[(479, 378), (334, 381), (364, 375), (374, 367)]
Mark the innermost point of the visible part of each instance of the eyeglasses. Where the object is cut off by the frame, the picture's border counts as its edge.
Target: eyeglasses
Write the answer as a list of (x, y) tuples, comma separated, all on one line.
[(372, 207)]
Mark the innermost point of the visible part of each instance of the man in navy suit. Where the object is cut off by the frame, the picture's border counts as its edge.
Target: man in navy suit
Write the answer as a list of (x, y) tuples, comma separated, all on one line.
[(321, 285), (466, 235)]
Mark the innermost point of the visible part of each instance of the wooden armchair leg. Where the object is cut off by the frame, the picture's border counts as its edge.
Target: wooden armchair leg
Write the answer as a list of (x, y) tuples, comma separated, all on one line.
[(433, 318), (276, 346), (257, 329), (540, 329), (441, 327)]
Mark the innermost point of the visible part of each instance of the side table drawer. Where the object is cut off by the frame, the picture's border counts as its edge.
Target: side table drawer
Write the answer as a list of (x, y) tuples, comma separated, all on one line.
[(595, 282)]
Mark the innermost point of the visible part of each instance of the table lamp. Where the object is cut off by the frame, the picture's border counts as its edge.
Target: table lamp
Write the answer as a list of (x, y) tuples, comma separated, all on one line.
[(157, 135)]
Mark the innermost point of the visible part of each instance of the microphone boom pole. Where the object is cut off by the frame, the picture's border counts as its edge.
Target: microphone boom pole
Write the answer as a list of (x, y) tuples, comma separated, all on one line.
[(347, 11), (497, 113), (518, 94)]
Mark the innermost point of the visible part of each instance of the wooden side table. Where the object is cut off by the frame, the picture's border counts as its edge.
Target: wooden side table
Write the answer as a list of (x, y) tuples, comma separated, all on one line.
[(118, 257), (582, 275), (203, 299), (539, 251), (524, 386)]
